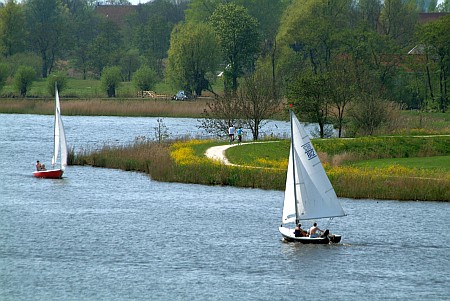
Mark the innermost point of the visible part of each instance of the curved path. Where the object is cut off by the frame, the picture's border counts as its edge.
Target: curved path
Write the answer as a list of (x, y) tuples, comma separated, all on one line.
[(218, 152)]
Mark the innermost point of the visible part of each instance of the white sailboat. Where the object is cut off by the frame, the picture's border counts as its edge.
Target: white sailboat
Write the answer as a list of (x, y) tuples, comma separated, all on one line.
[(309, 195), (59, 145)]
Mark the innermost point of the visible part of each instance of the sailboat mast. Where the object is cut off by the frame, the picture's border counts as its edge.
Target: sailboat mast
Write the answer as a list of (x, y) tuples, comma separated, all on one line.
[(293, 168)]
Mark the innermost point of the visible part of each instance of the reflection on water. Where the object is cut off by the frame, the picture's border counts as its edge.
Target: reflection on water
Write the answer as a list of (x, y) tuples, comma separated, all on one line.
[(101, 234)]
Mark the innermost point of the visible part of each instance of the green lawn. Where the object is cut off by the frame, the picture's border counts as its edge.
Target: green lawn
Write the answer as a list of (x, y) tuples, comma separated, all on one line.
[(272, 154), (438, 163)]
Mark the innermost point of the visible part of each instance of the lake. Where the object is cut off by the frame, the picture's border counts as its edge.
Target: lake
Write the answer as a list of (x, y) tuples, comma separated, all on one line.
[(102, 234)]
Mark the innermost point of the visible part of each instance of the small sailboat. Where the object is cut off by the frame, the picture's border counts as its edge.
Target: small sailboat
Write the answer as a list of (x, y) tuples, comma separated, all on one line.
[(309, 195), (60, 146)]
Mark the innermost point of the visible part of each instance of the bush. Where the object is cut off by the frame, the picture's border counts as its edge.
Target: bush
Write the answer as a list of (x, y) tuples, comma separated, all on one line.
[(145, 78), (60, 79), (3, 75), (23, 79), (111, 78)]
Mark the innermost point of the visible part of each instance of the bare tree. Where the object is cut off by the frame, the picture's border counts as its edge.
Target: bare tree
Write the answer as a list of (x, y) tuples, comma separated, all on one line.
[(220, 115), (258, 100)]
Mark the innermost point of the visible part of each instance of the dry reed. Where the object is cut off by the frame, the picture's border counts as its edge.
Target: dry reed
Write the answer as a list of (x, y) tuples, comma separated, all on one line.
[(107, 107)]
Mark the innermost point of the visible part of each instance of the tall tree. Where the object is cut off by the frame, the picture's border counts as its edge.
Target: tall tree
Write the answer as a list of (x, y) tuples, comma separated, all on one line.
[(12, 31), (310, 95), (150, 30), (193, 57), (84, 23), (310, 34), (435, 37), (257, 101), (47, 36), (398, 20), (106, 48), (238, 40)]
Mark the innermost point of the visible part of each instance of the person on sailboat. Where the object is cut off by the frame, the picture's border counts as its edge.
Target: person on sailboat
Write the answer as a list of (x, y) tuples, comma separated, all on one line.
[(39, 166), (299, 232), (314, 231)]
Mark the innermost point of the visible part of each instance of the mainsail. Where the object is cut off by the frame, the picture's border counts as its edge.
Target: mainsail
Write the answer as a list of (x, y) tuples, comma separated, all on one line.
[(312, 191), (59, 135)]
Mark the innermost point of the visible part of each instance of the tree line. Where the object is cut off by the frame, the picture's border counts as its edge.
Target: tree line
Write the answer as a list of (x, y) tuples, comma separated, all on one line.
[(345, 62)]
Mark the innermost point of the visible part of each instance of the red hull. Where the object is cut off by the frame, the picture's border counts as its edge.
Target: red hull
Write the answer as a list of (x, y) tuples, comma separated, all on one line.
[(49, 174)]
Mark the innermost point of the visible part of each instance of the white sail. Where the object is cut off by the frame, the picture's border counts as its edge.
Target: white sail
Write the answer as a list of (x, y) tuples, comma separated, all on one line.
[(59, 135), (315, 194)]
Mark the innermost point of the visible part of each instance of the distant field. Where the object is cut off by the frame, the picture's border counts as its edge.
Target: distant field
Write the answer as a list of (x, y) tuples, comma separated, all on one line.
[(90, 88)]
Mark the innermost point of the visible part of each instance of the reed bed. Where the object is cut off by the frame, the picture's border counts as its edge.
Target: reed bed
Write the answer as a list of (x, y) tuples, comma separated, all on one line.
[(107, 107)]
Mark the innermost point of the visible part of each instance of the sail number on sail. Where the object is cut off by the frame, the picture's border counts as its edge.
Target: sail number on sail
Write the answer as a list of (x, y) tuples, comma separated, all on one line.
[(309, 150)]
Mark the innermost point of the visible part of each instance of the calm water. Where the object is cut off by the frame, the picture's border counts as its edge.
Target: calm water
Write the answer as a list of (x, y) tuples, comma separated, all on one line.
[(102, 234)]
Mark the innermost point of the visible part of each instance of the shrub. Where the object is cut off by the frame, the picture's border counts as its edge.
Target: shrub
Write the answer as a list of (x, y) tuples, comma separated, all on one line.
[(144, 79), (61, 81), (23, 79), (111, 78)]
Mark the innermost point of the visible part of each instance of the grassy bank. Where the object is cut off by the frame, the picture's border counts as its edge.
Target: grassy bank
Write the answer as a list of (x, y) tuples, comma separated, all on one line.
[(353, 177)]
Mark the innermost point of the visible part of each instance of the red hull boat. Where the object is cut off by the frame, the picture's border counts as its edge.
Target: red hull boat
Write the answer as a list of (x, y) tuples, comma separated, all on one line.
[(59, 146), (49, 174)]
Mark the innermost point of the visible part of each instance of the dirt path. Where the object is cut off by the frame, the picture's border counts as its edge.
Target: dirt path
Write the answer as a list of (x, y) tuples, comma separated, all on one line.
[(218, 152)]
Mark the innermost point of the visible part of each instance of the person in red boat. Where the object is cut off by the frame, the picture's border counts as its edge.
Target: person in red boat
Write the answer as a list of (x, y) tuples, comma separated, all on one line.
[(40, 166)]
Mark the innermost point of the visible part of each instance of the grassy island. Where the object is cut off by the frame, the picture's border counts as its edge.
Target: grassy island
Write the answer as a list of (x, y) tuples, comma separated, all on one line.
[(396, 167)]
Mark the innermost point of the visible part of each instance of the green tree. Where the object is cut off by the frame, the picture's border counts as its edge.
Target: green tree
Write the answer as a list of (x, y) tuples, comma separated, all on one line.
[(311, 30), (47, 36), (150, 29), (238, 40), (60, 79), (106, 48), (84, 23), (310, 95), (268, 13), (12, 31), (3, 75), (23, 79), (110, 80), (398, 20), (145, 78), (435, 37), (201, 10), (342, 83), (130, 62), (257, 101), (193, 57)]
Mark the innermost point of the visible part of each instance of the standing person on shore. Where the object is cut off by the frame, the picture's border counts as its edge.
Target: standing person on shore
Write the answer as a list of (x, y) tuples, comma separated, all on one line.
[(231, 131), (239, 134)]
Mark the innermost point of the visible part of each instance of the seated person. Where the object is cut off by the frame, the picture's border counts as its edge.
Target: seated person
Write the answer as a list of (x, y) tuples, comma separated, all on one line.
[(314, 231), (299, 232), (40, 166)]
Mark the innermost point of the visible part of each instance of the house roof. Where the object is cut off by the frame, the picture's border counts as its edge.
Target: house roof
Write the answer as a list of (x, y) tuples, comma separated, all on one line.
[(116, 13), (428, 17)]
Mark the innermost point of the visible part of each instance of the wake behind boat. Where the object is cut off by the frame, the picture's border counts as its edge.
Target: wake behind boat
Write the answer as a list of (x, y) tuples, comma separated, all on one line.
[(309, 195), (59, 146)]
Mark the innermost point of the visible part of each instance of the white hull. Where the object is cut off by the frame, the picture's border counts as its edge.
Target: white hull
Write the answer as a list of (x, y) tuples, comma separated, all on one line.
[(288, 235)]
